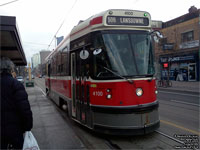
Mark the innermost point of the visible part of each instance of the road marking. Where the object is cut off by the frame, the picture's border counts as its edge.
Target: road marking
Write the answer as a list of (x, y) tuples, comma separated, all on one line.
[(180, 127), (185, 103), (42, 91), (179, 93)]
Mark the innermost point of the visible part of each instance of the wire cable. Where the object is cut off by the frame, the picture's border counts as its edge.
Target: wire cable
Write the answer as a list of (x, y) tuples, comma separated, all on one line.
[(62, 23), (8, 3)]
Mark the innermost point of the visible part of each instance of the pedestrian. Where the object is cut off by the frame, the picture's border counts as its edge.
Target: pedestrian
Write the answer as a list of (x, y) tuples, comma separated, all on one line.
[(175, 74), (16, 114)]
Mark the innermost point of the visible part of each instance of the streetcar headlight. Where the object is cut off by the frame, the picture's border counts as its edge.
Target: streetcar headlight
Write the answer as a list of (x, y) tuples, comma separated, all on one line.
[(139, 92), (156, 92), (109, 96)]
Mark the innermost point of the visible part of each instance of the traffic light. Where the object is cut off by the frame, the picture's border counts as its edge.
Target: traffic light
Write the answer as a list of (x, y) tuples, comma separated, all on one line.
[(165, 65)]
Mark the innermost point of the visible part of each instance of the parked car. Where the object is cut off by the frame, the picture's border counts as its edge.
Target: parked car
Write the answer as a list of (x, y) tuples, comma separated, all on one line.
[(20, 79)]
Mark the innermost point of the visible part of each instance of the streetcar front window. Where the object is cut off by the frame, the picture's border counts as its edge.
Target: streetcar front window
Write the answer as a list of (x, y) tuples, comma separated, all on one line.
[(128, 54)]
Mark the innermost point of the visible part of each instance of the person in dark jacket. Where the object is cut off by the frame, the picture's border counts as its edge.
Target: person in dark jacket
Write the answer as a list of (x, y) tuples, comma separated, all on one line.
[(175, 74), (16, 114)]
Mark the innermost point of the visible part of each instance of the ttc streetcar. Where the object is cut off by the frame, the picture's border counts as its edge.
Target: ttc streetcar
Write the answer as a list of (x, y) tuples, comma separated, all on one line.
[(102, 73)]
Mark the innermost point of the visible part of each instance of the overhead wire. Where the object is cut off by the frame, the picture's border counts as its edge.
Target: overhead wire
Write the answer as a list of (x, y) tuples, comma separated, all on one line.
[(8, 3), (62, 24)]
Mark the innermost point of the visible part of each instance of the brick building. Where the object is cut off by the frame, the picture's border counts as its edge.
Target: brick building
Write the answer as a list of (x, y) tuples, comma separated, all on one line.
[(178, 51)]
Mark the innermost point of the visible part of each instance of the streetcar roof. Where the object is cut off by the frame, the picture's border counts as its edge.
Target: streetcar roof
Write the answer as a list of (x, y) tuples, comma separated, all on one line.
[(98, 22)]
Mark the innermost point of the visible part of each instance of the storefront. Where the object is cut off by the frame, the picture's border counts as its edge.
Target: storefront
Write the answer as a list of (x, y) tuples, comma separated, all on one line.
[(180, 67)]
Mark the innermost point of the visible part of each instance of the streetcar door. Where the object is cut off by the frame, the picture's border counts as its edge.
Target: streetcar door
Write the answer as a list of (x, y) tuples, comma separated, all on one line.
[(73, 83), (83, 88), (82, 97)]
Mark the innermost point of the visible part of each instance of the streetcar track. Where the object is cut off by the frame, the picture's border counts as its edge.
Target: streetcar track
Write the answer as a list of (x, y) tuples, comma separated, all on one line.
[(111, 144), (186, 103), (166, 102), (172, 138), (183, 94)]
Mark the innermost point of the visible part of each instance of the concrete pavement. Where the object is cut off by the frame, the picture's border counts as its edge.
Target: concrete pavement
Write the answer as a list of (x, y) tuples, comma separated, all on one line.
[(49, 128)]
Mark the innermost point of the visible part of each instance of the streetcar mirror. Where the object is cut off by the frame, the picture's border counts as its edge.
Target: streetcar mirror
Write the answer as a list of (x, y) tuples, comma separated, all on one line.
[(155, 38), (97, 51), (159, 35), (156, 35), (84, 54)]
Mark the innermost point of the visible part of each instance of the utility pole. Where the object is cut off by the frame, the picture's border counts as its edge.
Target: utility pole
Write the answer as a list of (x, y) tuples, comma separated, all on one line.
[(29, 83)]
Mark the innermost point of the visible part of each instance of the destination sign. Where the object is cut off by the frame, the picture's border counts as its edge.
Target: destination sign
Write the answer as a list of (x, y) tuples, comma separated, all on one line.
[(123, 20)]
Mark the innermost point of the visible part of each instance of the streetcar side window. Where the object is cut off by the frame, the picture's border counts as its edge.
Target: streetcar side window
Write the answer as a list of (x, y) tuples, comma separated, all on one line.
[(53, 65), (58, 64), (65, 66), (49, 70)]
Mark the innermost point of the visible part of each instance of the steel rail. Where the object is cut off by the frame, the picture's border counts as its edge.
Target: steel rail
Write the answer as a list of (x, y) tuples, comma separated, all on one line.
[(172, 138)]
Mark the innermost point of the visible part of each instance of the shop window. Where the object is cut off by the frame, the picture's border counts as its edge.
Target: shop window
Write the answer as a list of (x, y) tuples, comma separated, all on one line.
[(187, 36)]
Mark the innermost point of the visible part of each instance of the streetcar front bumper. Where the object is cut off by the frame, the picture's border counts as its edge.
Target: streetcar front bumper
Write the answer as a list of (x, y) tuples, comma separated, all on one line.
[(131, 131), (126, 120)]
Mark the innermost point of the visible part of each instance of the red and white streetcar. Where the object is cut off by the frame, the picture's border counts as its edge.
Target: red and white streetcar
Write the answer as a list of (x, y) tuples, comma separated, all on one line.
[(103, 73)]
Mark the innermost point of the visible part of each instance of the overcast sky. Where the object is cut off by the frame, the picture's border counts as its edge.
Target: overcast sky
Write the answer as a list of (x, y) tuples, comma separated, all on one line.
[(39, 20)]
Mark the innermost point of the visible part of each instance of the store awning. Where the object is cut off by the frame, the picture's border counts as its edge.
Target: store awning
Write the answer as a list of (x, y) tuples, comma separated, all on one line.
[(10, 42)]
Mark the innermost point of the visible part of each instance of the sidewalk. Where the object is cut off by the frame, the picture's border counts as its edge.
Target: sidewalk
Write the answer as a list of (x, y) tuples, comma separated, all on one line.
[(183, 86), (49, 128)]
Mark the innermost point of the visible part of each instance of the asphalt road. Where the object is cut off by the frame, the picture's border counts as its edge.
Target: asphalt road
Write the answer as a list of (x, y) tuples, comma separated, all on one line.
[(179, 116), (179, 113)]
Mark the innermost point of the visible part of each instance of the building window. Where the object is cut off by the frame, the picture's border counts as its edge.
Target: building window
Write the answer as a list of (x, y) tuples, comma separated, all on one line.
[(187, 36)]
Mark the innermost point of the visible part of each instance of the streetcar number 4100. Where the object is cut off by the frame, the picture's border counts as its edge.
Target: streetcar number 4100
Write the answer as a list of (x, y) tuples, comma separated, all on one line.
[(97, 93)]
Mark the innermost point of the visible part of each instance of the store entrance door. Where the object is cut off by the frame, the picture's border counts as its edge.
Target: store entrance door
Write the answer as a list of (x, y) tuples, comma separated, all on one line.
[(192, 72)]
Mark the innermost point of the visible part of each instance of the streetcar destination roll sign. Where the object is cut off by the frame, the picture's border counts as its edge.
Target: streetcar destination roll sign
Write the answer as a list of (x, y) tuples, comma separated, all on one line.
[(122, 20)]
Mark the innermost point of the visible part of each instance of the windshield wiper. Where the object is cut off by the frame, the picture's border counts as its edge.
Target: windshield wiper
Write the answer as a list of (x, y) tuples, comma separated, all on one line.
[(143, 76), (130, 81)]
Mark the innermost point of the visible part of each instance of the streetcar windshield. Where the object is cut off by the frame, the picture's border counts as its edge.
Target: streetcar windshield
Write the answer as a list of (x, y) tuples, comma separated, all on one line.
[(128, 54)]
